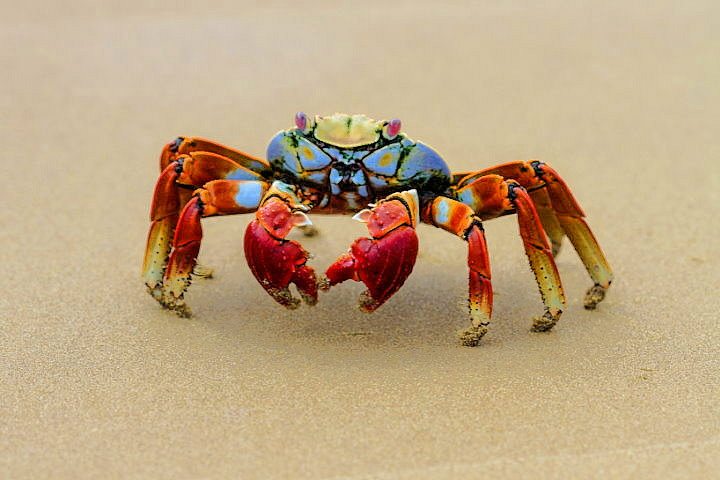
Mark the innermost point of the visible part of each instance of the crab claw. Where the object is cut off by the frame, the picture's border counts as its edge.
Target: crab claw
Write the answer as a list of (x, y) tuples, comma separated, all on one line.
[(275, 261), (384, 261)]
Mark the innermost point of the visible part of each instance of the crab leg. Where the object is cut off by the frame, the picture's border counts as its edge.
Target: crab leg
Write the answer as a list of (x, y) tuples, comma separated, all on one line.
[(535, 175), (384, 261), (185, 145), (218, 197), (173, 190), (490, 196), (571, 219), (525, 175), (275, 261), (460, 220)]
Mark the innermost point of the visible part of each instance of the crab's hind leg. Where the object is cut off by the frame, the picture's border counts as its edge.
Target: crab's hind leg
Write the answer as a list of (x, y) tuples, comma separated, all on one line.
[(218, 197), (384, 261), (545, 185), (523, 174), (173, 190), (187, 145), (166, 205), (460, 220), (548, 218), (490, 196), (572, 220)]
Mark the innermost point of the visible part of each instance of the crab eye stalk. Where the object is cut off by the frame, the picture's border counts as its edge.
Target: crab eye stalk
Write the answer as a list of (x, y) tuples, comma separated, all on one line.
[(392, 128), (303, 122)]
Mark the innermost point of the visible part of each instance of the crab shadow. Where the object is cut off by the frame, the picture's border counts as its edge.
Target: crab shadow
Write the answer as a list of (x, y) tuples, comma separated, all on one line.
[(429, 311)]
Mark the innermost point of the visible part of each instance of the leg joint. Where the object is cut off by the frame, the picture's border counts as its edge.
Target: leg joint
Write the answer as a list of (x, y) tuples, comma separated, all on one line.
[(537, 167), (513, 187), (179, 165), (475, 222), (174, 146)]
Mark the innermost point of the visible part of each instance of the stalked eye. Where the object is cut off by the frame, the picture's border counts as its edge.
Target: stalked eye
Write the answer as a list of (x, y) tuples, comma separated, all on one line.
[(392, 128), (303, 122)]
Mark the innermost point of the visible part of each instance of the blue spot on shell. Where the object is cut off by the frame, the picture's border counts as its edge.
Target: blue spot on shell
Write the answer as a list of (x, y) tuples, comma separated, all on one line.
[(422, 161)]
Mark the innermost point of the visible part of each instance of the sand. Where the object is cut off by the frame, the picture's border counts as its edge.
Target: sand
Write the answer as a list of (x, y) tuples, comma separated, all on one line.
[(97, 381)]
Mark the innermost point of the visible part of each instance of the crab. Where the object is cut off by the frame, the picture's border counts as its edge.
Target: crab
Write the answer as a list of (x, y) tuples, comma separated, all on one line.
[(340, 164)]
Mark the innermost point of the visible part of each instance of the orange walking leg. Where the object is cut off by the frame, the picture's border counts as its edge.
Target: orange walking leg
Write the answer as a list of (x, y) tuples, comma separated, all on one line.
[(491, 196), (218, 197), (560, 215), (460, 220), (186, 145), (172, 191)]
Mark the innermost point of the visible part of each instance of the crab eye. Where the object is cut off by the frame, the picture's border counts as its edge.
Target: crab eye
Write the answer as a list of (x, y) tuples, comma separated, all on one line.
[(303, 122), (392, 128)]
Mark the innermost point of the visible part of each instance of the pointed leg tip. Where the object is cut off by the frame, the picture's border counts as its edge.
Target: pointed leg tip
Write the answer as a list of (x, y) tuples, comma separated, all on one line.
[(156, 292), (556, 248), (471, 337), (169, 302), (594, 295), (178, 306), (202, 271), (546, 322), (182, 311)]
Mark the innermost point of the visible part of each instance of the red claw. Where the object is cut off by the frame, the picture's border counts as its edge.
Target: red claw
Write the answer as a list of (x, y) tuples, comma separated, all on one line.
[(383, 262), (275, 261)]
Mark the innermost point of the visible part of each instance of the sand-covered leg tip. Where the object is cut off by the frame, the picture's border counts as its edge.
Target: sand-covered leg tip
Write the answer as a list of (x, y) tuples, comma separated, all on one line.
[(157, 293), (182, 310), (309, 230), (546, 322), (471, 337), (178, 306), (594, 296), (203, 271)]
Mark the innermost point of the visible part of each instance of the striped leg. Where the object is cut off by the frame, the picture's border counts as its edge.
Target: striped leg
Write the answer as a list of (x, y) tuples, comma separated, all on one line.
[(173, 190), (571, 219), (166, 205), (187, 145), (491, 196), (460, 220), (218, 197), (557, 208)]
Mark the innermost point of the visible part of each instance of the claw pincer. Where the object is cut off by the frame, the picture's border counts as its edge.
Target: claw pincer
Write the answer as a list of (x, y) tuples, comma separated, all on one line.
[(385, 261), (275, 261)]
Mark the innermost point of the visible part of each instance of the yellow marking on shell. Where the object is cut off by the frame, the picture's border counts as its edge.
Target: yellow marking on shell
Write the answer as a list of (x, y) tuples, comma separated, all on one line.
[(385, 160), (307, 153), (344, 130)]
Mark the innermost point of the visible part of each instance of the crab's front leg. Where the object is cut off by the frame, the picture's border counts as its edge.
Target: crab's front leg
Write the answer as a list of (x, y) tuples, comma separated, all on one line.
[(384, 261), (218, 197), (275, 261)]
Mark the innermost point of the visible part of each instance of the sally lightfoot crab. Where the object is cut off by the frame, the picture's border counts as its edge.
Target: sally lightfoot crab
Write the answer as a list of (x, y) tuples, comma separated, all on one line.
[(353, 164)]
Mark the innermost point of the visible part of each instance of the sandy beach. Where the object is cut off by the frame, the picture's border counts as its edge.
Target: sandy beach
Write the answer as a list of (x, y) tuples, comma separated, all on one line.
[(97, 381)]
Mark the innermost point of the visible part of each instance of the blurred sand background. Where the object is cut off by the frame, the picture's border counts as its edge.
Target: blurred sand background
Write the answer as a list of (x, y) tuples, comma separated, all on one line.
[(96, 381)]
